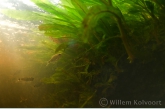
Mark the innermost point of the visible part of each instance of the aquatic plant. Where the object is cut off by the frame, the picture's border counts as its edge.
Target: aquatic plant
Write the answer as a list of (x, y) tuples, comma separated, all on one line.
[(94, 39)]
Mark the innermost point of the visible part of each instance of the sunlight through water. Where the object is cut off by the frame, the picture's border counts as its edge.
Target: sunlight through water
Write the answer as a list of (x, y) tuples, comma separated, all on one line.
[(21, 59)]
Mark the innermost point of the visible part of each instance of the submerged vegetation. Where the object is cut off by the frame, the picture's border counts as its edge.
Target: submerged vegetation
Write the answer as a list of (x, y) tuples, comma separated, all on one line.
[(104, 48)]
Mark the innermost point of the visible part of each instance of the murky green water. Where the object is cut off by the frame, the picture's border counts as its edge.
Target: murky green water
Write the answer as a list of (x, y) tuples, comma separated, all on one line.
[(21, 56)]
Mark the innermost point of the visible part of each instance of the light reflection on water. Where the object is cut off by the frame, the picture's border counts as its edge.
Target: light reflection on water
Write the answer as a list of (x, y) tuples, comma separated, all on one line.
[(18, 62), (22, 55)]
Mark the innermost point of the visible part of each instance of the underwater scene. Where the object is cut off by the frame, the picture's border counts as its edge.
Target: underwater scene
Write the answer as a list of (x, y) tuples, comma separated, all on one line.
[(82, 54)]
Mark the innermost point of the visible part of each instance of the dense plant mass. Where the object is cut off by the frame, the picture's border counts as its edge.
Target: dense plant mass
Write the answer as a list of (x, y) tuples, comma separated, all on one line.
[(106, 48)]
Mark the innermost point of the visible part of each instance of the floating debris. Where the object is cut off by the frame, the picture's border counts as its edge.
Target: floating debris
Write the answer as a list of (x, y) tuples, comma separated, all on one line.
[(26, 79), (22, 99)]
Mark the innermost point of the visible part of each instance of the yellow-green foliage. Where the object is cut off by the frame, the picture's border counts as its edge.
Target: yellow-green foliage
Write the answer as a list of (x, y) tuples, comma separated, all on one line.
[(99, 33)]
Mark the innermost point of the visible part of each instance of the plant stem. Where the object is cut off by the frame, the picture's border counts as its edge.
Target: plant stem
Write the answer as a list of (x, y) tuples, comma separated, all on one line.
[(125, 41), (88, 99), (123, 34)]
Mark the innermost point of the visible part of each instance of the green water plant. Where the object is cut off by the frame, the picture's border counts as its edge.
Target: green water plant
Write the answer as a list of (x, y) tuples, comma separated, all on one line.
[(94, 39)]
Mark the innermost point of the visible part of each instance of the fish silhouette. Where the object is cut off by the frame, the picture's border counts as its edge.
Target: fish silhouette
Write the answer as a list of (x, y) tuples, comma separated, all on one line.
[(54, 58), (38, 84), (26, 79)]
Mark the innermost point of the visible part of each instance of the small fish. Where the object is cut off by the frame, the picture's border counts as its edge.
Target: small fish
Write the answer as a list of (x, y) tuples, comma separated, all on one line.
[(54, 58), (38, 84), (26, 79), (17, 72)]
